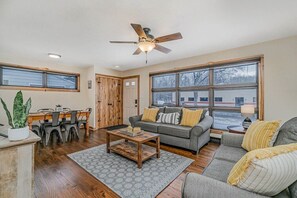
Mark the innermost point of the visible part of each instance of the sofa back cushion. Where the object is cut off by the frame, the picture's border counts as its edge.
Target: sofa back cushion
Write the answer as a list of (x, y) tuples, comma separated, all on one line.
[(173, 110), (287, 133)]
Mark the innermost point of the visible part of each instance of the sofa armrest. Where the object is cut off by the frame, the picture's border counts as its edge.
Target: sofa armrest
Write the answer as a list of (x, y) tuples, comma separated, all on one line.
[(232, 139), (202, 126), (199, 186), (135, 119)]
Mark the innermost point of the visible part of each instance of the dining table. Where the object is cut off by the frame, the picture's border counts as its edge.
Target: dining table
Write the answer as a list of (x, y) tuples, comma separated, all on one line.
[(41, 116)]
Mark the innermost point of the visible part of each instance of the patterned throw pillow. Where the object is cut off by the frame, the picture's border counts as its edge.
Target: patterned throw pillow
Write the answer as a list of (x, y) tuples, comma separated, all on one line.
[(266, 171), (169, 118), (149, 114), (260, 135)]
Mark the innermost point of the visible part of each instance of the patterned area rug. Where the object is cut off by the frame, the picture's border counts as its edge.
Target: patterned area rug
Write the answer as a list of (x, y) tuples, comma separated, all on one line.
[(122, 175)]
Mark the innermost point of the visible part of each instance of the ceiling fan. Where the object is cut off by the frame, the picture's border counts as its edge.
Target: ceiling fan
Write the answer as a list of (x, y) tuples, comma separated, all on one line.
[(147, 42)]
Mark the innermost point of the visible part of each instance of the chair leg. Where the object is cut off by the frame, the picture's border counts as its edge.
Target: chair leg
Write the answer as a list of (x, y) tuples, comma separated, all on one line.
[(60, 135), (47, 136), (76, 131)]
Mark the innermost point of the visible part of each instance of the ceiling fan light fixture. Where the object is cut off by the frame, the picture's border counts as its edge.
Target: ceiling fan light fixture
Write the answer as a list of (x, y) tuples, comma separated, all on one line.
[(146, 46)]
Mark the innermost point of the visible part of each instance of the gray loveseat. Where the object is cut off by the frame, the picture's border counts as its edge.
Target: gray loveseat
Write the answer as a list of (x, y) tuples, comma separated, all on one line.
[(192, 138), (212, 183)]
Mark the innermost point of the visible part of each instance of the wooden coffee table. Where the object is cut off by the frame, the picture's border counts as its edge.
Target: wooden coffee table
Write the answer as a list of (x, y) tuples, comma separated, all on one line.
[(134, 148)]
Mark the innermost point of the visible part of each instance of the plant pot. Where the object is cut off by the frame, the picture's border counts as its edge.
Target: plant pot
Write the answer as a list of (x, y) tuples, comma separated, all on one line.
[(18, 134)]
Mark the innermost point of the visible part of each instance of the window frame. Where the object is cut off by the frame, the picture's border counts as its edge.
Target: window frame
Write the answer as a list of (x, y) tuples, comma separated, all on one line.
[(44, 72), (258, 85)]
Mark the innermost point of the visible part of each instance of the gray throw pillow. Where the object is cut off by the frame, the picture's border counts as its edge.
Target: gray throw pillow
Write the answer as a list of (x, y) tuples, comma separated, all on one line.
[(287, 133)]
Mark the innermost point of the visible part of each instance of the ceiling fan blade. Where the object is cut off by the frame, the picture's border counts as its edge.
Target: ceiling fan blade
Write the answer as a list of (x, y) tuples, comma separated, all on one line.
[(170, 37), (138, 51), (162, 49), (138, 29), (129, 42)]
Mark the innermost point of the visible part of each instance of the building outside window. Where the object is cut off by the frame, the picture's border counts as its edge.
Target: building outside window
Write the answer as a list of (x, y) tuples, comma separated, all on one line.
[(222, 89)]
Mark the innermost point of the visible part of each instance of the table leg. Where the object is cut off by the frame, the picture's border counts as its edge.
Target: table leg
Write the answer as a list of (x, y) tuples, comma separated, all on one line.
[(158, 147), (139, 160), (30, 122), (107, 142), (87, 126)]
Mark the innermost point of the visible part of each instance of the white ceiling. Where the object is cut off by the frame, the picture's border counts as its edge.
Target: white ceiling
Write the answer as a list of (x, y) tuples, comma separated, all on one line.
[(80, 30)]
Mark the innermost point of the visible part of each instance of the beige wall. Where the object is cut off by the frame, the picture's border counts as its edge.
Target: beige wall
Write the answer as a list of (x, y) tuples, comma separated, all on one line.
[(280, 71)]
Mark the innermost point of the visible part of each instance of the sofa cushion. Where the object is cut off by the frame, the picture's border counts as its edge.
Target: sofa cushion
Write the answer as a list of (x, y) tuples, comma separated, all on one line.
[(175, 130), (287, 133), (173, 110), (148, 126), (219, 169), (228, 153)]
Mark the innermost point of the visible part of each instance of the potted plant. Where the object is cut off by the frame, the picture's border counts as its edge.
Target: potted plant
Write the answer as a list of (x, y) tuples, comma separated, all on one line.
[(19, 129)]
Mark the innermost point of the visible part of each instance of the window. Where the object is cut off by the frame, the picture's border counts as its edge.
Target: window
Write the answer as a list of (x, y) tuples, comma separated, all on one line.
[(222, 89), (19, 77), (164, 99), (61, 81), (191, 99), (239, 74), (203, 99), (15, 76), (194, 78), (164, 81), (218, 99), (235, 97)]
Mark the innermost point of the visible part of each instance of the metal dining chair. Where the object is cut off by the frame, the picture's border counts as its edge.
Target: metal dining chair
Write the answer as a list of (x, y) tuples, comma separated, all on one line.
[(52, 126), (83, 119), (45, 110), (71, 125)]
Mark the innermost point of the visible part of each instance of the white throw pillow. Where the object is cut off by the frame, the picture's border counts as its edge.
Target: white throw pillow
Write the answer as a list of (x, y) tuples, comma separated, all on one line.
[(169, 118)]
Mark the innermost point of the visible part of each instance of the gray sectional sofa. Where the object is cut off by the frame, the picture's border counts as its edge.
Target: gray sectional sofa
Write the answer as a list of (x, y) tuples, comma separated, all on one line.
[(212, 183), (192, 138)]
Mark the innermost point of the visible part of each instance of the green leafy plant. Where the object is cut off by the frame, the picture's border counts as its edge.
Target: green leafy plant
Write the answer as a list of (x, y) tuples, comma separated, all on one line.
[(20, 111)]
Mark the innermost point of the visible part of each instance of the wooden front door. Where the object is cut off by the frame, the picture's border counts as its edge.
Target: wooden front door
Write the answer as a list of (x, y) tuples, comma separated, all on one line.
[(109, 101)]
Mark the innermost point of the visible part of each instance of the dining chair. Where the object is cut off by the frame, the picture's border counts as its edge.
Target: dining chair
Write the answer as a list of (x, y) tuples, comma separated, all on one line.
[(45, 110), (71, 125), (36, 130), (52, 126), (83, 119)]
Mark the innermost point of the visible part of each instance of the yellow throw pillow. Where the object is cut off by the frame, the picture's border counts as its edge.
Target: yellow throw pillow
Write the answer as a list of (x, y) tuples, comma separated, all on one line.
[(150, 114), (191, 117), (266, 171), (260, 134)]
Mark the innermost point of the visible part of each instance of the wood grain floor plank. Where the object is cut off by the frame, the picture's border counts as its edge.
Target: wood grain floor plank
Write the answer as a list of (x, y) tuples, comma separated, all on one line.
[(56, 175)]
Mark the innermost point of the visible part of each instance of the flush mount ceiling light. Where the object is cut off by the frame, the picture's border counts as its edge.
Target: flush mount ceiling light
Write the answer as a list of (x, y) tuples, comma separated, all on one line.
[(117, 66), (51, 55)]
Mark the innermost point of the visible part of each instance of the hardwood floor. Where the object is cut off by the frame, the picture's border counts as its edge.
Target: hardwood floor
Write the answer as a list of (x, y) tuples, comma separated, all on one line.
[(57, 176)]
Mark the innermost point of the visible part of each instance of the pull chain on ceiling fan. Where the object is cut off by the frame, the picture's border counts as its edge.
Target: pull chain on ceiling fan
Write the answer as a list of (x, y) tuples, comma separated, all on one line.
[(147, 42)]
